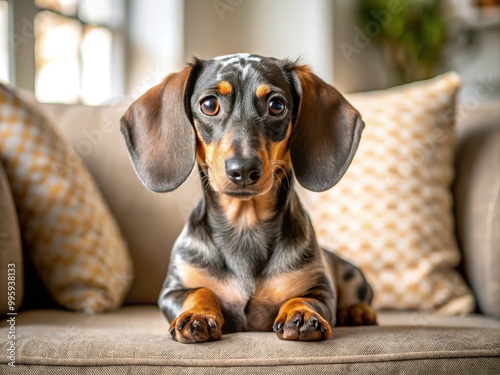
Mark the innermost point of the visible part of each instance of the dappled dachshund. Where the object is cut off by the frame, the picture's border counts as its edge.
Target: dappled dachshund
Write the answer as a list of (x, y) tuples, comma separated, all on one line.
[(248, 259)]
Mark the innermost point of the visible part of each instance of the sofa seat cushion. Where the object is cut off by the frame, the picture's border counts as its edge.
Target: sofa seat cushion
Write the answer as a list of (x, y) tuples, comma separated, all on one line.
[(135, 340)]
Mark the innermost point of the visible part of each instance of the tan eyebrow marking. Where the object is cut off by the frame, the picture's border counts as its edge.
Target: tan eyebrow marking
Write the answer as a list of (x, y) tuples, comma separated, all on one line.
[(263, 90), (224, 87)]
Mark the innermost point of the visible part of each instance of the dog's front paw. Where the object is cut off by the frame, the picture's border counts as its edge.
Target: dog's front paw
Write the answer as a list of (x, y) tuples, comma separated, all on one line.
[(301, 323), (359, 314), (190, 327)]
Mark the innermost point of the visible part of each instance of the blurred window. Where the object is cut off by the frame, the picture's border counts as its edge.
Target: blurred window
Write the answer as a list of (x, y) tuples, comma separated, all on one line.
[(76, 50), (4, 42)]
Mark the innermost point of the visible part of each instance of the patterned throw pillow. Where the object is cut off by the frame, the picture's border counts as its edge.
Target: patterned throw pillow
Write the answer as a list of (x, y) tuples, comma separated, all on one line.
[(72, 239), (392, 211)]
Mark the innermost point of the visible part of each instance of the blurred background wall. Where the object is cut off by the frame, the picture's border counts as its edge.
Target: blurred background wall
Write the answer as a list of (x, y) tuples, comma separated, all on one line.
[(99, 51), (280, 28)]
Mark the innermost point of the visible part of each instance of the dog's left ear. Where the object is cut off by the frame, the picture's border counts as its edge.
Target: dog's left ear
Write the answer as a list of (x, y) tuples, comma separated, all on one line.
[(326, 133)]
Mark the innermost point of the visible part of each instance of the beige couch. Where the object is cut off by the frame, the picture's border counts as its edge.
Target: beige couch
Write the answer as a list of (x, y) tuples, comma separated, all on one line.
[(134, 340)]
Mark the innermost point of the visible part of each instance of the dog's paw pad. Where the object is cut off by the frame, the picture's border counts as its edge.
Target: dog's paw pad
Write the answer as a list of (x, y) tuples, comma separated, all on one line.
[(302, 325)]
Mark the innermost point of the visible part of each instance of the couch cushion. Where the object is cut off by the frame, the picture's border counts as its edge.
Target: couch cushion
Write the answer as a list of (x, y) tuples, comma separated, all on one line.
[(391, 213), (136, 337), (69, 233), (11, 254)]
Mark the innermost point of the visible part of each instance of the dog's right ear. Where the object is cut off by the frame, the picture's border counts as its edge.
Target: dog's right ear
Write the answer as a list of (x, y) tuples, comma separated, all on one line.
[(159, 132)]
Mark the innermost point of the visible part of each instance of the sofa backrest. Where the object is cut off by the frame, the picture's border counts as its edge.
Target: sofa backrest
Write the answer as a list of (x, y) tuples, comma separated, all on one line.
[(149, 222)]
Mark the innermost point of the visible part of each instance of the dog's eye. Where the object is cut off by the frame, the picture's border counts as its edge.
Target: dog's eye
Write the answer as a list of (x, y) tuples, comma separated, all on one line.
[(210, 106), (276, 107)]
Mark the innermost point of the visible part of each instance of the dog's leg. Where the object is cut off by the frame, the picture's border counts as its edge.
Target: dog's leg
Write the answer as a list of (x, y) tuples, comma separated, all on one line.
[(200, 320), (298, 319), (354, 294), (357, 314)]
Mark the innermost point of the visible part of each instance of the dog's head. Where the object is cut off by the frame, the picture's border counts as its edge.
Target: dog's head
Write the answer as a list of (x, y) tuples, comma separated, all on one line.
[(243, 118)]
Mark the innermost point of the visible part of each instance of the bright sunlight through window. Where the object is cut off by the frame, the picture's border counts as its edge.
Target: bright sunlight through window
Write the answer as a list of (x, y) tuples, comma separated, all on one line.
[(73, 51), (4, 42)]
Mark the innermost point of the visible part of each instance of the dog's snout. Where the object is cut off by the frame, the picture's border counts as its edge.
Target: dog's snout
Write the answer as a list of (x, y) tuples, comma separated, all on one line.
[(244, 171)]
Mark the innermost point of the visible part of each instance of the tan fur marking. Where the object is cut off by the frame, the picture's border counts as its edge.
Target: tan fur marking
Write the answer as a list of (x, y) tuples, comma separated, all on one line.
[(193, 277), (215, 160), (280, 156), (202, 306), (202, 300), (247, 213), (292, 332), (304, 72), (262, 90), (244, 214), (283, 287), (201, 149), (224, 88), (279, 150)]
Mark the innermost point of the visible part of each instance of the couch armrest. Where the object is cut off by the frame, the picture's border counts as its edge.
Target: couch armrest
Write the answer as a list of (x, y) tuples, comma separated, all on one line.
[(11, 255), (477, 211)]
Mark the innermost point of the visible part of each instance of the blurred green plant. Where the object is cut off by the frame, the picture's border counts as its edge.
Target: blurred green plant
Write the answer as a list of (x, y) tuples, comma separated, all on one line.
[(412, 38)]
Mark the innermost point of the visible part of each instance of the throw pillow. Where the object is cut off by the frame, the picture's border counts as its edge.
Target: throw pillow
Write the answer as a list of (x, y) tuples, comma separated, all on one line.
[(391, 213), (70, 235)]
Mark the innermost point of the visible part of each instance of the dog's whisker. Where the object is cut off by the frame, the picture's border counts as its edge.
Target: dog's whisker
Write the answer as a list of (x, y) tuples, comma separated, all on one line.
[(197, 178), (276, 186), (278, 178), (284, 171)]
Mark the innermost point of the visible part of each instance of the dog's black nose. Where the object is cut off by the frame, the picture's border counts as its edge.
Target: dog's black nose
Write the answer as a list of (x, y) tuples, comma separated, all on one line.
[(244, 171)]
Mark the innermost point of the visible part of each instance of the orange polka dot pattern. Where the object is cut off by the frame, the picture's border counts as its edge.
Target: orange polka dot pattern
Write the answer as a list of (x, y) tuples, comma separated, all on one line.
[(71, 237), (391, 213)]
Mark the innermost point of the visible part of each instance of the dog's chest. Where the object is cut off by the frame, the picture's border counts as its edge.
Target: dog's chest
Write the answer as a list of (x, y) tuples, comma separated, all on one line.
[(251, 270), (269, 294), (252, 302)]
